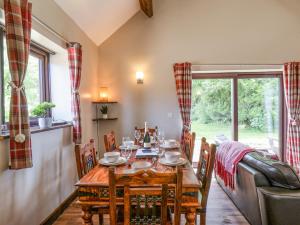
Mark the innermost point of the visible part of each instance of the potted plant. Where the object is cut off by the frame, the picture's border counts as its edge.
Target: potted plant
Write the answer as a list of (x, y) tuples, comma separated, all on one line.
[(42, 112), (104, 110)]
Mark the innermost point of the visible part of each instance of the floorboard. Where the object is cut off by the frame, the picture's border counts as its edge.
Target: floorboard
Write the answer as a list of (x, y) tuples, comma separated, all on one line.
[(221, 211)]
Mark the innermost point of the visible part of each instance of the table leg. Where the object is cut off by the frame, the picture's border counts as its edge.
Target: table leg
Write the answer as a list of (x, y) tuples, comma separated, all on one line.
[(86, 215), (190, 216)]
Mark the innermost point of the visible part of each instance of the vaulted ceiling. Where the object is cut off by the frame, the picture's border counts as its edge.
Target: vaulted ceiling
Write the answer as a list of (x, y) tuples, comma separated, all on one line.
[(99, 19)]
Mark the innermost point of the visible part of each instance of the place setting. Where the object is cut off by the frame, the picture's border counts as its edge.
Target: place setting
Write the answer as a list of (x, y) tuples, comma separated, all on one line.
[(112, 159), (172, 158), (170, 144), (127, 142)]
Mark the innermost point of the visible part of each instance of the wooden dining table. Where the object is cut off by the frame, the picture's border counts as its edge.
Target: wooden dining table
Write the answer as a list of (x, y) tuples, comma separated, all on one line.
[(93, 188)]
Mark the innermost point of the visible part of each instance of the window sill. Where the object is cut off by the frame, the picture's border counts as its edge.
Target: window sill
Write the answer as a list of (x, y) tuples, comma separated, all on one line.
[(35, 130)]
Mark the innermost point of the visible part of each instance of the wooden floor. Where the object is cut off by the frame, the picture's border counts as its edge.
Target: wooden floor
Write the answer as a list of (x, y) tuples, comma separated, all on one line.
[(221, 211)]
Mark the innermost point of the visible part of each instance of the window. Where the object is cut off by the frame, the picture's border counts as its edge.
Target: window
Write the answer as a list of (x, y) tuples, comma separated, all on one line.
[(36, 82), (242, 107)]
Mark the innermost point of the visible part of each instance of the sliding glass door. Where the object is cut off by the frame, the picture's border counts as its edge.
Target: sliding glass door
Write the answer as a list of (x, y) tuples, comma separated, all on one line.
[(211, 108), (241, 107), (258, 112)]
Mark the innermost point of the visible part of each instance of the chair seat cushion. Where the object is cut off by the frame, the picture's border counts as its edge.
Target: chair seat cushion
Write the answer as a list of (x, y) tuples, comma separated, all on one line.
[(278, 173)]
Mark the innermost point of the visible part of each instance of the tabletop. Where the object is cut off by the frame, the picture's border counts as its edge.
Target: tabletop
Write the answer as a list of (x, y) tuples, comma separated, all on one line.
[(98, 176)]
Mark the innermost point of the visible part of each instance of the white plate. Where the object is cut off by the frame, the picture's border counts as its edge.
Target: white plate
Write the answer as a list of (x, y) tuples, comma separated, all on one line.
[(180, 162), (169, 146), (133, 147), (138, 165), (121, 161)]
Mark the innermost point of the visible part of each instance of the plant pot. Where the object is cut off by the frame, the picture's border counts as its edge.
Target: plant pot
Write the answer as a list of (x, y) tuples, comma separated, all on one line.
[(104, 116), (45, 122)]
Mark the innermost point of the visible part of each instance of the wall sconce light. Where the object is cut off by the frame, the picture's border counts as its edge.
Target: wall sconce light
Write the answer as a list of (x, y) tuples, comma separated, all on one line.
[(139, 77), (103, 94)]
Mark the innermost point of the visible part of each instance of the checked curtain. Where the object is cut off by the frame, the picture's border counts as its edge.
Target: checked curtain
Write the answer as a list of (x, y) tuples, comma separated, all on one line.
[(183, 79), (18, 32), (75, 61), (291, 77)]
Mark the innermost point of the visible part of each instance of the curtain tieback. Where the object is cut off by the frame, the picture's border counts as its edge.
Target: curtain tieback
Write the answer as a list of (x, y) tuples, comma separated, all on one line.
[(75, 92), (19, 138), (294, 122), (187, 127)]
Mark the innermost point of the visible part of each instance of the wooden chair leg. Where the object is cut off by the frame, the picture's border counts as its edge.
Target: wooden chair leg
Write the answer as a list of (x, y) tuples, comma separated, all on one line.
[(100, 219), (203, 218)]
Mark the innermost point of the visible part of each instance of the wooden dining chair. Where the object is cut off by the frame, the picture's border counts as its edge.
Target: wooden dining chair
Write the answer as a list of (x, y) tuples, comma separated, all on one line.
[(86, 160), (146, 196), (188, 144), (110, 141), (204, 174)]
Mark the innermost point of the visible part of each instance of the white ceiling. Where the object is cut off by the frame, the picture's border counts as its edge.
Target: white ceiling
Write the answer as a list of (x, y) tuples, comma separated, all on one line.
[(99, 19)]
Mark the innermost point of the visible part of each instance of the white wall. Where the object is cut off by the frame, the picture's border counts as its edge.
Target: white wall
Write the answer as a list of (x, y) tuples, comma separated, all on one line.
[(29, 196), (199, 31), (53, 16), (60, 95)]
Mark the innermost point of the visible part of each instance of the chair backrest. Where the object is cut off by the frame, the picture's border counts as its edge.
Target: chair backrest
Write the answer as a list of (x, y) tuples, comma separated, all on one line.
[(146, 196), (205, 168), (151, 130), (85, 158), (188, 144), (110, 141)]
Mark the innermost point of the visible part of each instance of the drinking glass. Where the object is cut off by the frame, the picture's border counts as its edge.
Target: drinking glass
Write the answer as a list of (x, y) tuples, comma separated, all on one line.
[(155, 138), (160, 152), (124, 141), (161, 137), (128, 152), (124, 145), (137, 135)]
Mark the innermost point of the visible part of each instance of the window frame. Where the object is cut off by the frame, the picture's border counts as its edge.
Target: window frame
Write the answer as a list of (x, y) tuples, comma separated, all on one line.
[(38, 51), (235, 76)]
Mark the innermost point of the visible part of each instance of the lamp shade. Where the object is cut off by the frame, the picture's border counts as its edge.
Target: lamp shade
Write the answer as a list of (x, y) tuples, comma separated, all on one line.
[(139, 77), (103, 94)]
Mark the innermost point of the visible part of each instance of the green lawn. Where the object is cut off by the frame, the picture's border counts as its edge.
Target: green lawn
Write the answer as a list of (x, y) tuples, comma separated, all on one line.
[(250, 136)]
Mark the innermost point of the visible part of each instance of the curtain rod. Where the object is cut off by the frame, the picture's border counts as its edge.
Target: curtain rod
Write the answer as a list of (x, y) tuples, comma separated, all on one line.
[(260, 64), (2, 26), (51, 30)]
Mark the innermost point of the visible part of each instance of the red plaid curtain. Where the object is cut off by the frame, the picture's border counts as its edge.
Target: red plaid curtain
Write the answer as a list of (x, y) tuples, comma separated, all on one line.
[(183, 78), (291, 78), (75, 60), (18, 31)]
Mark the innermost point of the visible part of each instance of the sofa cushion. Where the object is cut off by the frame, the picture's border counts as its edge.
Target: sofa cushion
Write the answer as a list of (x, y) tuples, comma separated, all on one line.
[(278, 173)]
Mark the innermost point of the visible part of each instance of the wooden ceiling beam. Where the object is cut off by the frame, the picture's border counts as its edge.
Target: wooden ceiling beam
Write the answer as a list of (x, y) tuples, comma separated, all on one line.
[(147, 7)]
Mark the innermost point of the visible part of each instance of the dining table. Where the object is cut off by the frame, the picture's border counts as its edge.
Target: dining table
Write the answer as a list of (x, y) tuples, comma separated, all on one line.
[(93, 188)]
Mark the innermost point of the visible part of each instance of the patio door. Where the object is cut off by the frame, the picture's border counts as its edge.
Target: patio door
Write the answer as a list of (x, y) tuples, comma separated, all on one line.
[(242, 107)]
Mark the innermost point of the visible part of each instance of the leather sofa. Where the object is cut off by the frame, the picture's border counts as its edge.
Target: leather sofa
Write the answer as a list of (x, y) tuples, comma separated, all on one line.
[(264, 195)]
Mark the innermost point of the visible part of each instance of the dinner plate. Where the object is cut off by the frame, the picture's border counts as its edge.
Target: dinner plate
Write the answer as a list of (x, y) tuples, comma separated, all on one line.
[(138, 165), (166, 146), (179, 162), (121, 161), (133, 147)]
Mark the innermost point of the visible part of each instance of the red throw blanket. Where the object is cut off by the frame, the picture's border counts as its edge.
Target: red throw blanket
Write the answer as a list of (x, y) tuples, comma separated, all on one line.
[(229, 154)]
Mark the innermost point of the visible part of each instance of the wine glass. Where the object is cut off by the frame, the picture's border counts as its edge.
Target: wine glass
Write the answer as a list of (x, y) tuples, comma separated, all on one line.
[(125, 141), (161, 152), (155, 137), (161, 137), (128, 152), (137, 135)]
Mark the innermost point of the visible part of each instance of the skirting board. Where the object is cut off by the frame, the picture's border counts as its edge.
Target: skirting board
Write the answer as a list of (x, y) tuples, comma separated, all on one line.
[(59, 210)]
